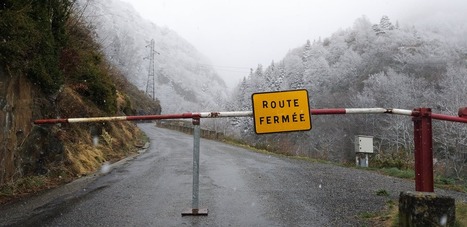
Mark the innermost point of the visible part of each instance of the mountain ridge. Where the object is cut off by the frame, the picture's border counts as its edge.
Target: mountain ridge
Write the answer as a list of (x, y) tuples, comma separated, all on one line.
[(183, 81)]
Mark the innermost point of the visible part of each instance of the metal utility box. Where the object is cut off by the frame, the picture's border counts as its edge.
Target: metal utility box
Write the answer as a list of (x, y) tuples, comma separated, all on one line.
[(363, 147), (364, 144)]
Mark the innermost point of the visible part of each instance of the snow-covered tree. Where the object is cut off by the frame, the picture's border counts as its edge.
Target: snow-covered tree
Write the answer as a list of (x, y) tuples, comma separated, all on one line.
[(385, 23), (451, 143), (379, 65)]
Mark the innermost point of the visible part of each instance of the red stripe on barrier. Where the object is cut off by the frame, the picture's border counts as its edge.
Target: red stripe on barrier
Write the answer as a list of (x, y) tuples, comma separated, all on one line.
[(448, 118), (327, 111), (50, 121)]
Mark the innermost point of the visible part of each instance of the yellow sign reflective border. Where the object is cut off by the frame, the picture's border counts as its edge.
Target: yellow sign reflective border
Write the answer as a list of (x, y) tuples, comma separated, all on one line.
[(283, 111)]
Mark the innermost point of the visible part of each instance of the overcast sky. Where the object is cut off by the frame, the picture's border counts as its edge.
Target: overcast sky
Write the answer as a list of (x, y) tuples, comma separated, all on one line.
[(240, 34)]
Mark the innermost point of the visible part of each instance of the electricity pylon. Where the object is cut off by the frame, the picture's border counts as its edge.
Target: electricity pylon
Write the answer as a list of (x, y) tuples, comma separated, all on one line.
[(151, 83)]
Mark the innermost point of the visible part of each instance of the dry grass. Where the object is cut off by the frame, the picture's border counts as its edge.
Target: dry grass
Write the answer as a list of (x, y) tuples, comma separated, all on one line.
[(116, 141), (81, 156), (84, 159)]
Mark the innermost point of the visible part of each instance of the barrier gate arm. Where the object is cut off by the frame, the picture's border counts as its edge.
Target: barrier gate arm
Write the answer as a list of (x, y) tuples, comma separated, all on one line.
[(422, 117), (335, 111), (360, 111), (146, 117), (218, 115)]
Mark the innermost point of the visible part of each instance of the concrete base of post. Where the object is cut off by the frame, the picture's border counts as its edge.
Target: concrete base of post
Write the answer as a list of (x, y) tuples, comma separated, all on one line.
[(426, 209), (196, 212)]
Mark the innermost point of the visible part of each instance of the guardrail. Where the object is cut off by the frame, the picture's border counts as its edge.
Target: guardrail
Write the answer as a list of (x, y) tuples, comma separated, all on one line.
[(187, 127)]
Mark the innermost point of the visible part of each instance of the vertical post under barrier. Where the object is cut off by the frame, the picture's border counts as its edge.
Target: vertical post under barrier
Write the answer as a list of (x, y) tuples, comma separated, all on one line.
[(195, 211), (423, 139)]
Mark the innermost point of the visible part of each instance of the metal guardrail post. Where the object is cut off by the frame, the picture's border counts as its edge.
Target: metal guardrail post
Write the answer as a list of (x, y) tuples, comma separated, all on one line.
[(195, 210)]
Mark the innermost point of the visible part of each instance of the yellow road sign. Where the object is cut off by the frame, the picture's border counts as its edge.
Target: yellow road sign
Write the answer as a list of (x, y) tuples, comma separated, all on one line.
[(282, 111)]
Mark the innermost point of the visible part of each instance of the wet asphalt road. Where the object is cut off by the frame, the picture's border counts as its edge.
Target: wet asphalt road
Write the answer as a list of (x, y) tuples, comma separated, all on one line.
[(239, 187)]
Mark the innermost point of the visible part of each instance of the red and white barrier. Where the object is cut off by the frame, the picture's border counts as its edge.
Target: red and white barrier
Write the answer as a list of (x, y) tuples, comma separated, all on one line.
[(421, 117)]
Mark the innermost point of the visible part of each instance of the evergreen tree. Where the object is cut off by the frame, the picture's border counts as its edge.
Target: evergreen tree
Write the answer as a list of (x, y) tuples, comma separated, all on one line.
[(306, 52), (259, 79), (385, 23), (376, 28), (269, 76), (279, 78)]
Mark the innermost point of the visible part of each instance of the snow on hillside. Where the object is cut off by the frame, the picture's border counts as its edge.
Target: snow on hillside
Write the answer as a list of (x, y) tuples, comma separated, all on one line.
[(184, 82)]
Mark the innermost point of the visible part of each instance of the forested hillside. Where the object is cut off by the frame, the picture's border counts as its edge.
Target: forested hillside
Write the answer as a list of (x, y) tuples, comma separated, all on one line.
[(50, 67), (369, 65), (184, 79)]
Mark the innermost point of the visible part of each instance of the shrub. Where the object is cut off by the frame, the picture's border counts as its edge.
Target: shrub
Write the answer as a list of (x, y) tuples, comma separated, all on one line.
[(39, 40), (400, 160), (382, 192), (33, 34)]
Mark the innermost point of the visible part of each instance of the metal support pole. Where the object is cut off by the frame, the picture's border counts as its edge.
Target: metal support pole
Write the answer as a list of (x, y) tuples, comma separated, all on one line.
[(423, 139), (196, 139), (195, 211)]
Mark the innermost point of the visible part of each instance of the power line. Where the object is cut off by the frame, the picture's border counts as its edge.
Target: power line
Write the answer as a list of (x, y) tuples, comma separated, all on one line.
[(229, 69), (221, 66), (232, 71)]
